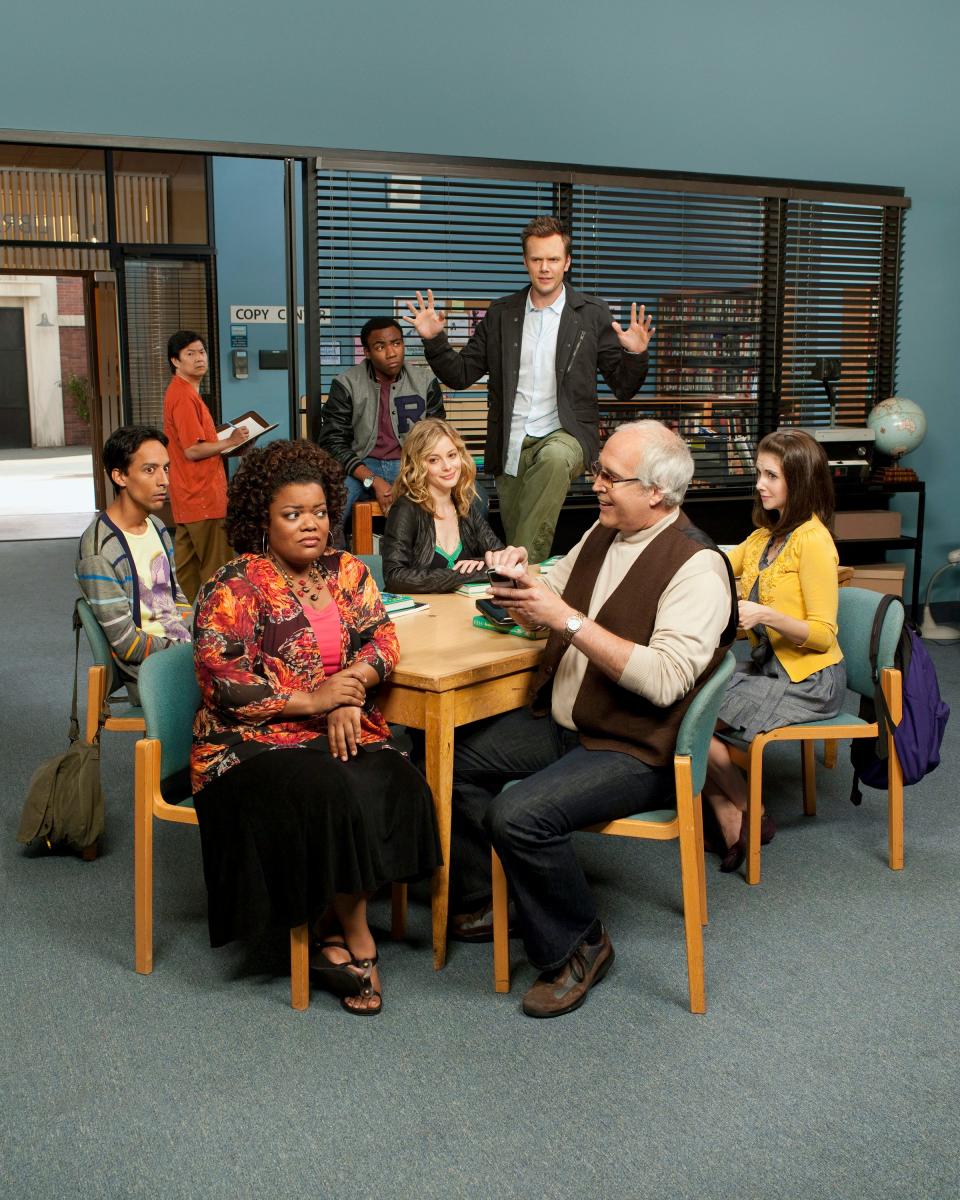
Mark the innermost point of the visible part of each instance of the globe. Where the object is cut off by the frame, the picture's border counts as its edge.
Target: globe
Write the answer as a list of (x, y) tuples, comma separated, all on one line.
[(899, 426)]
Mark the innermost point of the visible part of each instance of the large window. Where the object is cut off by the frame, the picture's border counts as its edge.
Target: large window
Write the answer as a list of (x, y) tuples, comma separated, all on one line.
[(139, 220), (749, 284)]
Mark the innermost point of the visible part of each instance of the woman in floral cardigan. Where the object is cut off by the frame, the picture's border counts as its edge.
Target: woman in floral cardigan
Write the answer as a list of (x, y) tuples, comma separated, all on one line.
[(304, 806)]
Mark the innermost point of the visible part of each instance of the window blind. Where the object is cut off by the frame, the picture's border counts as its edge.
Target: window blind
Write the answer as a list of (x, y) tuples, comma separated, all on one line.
[(748, 282), (838, 282), (696, 262), (161, 297), (382, 237)]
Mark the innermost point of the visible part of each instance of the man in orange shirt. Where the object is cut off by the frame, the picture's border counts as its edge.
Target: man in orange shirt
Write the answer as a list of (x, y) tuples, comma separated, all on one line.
[(198, 481)]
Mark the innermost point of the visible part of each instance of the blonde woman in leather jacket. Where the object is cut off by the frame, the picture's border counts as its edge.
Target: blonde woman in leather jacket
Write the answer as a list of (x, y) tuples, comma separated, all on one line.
[(436, 534)]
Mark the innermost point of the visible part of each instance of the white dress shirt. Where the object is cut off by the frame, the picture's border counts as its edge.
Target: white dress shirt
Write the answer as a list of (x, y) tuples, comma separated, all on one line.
[(535, 406)]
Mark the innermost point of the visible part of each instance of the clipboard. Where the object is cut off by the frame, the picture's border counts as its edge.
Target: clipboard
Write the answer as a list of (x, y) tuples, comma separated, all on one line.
[(256, 425)]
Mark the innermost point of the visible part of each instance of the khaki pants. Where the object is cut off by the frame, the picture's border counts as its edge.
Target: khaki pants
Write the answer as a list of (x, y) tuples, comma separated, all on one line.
[(199, 549), (530, 501)]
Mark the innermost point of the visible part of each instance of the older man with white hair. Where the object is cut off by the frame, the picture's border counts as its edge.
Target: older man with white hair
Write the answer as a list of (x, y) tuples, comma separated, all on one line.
[(640, 613)]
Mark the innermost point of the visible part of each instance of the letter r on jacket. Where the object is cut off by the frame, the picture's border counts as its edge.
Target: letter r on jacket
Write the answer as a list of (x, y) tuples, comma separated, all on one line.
[(410, 409)]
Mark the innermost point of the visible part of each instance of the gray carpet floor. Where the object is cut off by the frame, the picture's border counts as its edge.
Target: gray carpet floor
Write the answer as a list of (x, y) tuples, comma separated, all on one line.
[(826, 1065)]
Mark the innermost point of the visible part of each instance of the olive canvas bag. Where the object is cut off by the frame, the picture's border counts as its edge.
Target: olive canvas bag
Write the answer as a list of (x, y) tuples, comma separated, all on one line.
[(64, 805)]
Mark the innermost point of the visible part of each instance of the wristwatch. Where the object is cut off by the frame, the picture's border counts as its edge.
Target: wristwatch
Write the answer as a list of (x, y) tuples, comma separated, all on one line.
[(367, 483), (571, 627)]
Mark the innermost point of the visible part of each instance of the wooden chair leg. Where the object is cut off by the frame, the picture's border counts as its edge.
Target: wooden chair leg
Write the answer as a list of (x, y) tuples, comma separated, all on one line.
[(754, 808), (398, 914), (830, 750), (701, 865), (501, 926), (689, 877), (892, 684), (895, 813), (142, 866), (809, 773), (96, 695), (300, 967)]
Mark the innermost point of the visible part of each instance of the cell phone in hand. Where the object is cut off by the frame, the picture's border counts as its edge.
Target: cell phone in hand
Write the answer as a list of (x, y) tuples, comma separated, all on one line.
[(496, 614), (499, 579)]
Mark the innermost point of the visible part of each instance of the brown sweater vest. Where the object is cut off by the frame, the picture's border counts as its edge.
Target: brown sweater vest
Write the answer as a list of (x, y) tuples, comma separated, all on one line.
[(607, 716)]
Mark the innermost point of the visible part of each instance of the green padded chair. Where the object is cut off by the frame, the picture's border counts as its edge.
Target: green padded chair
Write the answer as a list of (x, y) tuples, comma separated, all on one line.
[(683, 823), (170, 698), (374, 564), (102, 681), (855, 614)]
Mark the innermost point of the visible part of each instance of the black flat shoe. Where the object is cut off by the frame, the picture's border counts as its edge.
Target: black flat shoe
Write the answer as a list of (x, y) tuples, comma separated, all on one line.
[(339, 978), (738, 851)]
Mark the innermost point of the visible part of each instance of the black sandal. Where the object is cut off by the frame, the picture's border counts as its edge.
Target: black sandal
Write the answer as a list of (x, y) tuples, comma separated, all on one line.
[(339, 978), (367, 990)]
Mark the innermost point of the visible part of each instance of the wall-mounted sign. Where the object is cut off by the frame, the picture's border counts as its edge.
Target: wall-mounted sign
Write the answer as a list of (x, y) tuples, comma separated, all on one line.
[(238, 337), (270, 314)]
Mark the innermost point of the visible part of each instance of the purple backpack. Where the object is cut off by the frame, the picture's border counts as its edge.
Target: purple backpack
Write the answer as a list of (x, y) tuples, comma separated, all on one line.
[(920, 732)]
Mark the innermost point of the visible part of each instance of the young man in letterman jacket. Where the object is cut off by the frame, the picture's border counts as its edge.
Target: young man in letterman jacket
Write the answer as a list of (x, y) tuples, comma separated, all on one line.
[(640, 613), (370, 410)]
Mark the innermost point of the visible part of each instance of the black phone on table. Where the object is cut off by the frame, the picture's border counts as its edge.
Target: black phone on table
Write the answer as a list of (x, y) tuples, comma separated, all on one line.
[(496, 614)]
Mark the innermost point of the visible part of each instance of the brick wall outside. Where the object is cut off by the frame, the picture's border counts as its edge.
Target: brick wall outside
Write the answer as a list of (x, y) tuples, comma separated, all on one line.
[(73, 356)]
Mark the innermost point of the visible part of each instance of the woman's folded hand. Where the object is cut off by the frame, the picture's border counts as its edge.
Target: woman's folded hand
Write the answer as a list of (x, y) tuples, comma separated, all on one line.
[(343, 732), (344, 688)]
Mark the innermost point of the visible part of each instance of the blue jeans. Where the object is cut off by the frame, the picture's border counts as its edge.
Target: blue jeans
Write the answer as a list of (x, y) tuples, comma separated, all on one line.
[(386, 468), (563, 788)]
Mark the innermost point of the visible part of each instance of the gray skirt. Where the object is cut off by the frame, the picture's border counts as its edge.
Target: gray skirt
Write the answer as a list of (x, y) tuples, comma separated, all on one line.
[(759, 699)]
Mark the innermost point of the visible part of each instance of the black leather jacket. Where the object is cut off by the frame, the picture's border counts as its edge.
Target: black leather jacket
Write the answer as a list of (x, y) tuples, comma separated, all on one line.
[(408, 542), (586, 344)]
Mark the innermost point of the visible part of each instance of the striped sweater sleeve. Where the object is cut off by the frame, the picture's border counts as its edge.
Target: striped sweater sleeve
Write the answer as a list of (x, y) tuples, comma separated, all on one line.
[(108, 588)]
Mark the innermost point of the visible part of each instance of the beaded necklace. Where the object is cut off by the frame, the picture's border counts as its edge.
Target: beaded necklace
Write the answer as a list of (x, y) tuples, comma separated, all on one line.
[(308, 588)]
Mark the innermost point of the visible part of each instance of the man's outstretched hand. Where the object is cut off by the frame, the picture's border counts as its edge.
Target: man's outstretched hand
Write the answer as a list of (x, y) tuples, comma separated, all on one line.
[(425, 320), (636, 337)]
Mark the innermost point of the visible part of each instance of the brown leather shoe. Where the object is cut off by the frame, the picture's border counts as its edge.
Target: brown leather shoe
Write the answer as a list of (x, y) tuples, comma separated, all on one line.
[(559, 992)]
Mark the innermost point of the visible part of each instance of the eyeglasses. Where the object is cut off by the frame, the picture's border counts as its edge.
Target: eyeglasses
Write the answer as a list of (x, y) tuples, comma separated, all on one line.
[(603, 475)]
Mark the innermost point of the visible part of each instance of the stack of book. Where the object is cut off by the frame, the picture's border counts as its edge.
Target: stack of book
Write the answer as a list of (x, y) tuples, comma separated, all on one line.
[(398, 606), (474, 587)]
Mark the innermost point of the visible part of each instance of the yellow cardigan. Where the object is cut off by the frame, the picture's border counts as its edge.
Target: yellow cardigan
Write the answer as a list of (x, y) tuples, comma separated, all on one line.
[(801, 582)]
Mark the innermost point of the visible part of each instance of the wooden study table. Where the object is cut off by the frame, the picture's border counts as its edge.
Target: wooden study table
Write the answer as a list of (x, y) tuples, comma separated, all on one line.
[(451, 673)]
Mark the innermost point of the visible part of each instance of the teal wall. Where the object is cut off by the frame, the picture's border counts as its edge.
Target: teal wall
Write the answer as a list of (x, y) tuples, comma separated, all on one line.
[(248, 224), (863, 90)]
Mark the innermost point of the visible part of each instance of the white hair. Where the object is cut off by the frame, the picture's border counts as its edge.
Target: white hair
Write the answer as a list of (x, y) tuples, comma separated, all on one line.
[(665, 460)]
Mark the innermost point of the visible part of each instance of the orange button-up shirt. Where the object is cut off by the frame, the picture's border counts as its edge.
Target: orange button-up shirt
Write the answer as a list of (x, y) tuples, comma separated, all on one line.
[(198, 490)]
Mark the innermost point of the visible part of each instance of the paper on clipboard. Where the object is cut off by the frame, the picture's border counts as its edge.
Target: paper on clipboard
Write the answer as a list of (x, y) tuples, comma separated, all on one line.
[(255, 426)]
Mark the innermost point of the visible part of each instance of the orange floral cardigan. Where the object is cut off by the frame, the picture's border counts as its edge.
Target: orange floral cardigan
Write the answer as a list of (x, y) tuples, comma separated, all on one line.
[(253, 647)]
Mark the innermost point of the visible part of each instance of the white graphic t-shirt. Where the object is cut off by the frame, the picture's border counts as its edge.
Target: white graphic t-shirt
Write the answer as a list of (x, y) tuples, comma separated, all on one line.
[(158, 613)]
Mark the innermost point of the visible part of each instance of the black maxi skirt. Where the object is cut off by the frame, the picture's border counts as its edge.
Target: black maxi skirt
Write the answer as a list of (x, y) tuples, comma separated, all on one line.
[(286, 830)]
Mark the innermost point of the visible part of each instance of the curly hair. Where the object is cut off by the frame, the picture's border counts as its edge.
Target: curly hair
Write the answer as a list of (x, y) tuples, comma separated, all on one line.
[(262, 473), (412, 480), (806, 473)]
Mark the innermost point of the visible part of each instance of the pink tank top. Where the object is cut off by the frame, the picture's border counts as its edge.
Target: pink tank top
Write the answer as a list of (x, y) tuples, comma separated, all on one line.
[(326, 629)]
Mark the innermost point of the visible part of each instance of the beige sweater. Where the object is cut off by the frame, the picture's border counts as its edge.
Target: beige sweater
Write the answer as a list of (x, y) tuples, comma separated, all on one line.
[(692, 613)]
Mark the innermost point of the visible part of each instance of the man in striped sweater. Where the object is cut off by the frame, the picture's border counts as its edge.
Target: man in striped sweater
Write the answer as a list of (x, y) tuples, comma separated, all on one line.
[(125, 558)]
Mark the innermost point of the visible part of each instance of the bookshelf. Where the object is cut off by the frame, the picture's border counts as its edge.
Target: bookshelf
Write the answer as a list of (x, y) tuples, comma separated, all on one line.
[(707, 364)]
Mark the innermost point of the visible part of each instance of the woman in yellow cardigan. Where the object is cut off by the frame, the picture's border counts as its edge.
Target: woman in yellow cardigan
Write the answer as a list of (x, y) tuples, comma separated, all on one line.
[(787, 570)]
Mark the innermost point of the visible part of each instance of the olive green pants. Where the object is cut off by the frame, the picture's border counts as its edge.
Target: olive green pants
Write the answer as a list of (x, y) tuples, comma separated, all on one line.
[(199, 549), (530, 501)]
